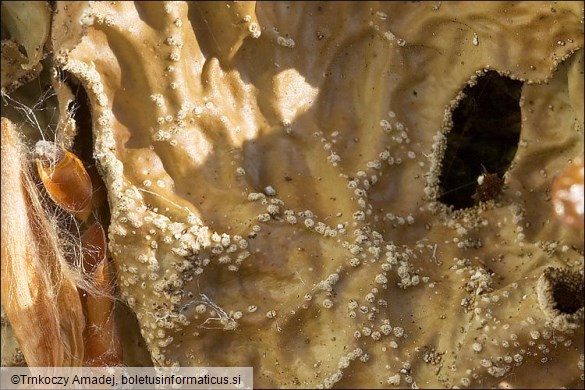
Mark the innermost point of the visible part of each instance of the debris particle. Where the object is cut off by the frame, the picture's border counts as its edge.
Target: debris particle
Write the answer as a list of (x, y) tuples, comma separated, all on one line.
[(270, 191), (475, 39)]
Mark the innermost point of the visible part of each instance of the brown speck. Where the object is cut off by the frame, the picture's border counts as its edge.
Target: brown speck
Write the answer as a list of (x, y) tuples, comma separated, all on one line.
[(490, 187)]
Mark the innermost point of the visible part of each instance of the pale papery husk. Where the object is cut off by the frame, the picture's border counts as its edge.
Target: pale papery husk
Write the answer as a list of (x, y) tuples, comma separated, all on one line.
[(39, 299), (193, 111)]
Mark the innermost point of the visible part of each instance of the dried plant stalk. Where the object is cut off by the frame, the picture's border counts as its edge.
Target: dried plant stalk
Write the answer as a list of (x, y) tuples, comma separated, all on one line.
[(38, 295), (102, 342)]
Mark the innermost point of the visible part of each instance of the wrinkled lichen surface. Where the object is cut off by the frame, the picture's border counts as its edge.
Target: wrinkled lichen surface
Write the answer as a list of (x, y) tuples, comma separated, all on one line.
[(273, 178)]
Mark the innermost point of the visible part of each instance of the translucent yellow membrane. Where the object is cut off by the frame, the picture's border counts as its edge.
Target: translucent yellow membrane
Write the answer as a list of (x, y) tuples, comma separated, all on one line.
[(65, 178)]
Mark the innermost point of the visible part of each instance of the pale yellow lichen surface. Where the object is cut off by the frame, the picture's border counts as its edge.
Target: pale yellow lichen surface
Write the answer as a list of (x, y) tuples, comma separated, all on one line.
[(272, 173)]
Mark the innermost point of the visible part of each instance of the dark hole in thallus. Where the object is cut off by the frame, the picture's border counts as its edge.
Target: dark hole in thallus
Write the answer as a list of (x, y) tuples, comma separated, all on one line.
[(484, 137)]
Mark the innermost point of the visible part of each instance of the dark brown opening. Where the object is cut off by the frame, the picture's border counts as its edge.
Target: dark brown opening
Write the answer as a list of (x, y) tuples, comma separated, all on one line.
[(484, 137), (81, 112), (568, 297)]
